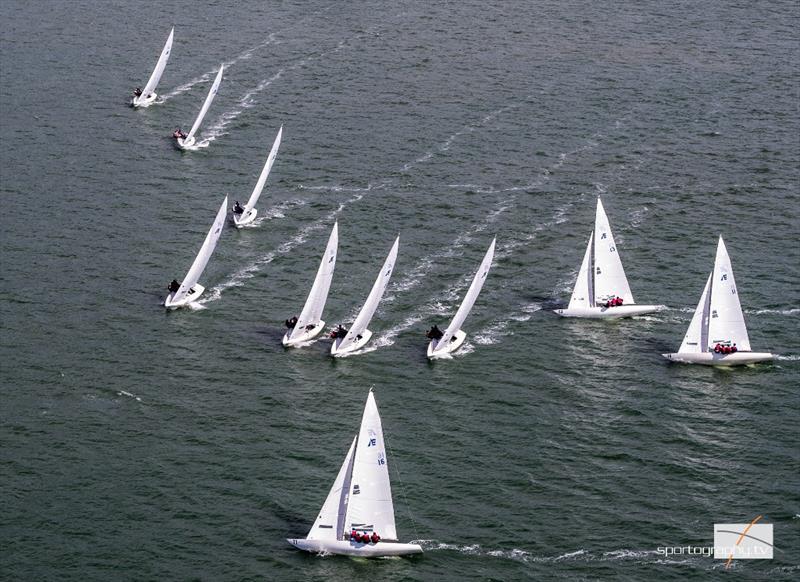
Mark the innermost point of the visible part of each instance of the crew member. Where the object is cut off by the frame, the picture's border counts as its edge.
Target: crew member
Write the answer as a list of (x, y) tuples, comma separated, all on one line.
[(174, 286), (291, 322), (434, 333)]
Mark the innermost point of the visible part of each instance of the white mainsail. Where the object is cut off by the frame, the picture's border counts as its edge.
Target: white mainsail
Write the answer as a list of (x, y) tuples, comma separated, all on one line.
[(262, 179), (726, 321), (315, 303), (370, 504), (206, 250), (582, 294), (374, 297), (609, 276), (469, 299), (206, 105), (330, 522), (155, 76), (696, 338)]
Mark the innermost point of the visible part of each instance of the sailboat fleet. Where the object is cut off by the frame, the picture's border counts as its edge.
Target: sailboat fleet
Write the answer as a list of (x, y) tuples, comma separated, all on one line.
[(357, 517)]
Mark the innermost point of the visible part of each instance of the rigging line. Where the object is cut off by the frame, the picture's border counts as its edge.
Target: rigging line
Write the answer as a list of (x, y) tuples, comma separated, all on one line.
[(402, 490)]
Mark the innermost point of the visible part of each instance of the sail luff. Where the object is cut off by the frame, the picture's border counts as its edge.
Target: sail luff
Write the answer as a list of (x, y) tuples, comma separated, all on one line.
[(206, 249), (469, 299), (582, 295), (329, 524), (161, 64), (370, 505), (206, 104), (262, 178), (726, 322), (609, 274), (315, 303), (695, 339), (373, 299)]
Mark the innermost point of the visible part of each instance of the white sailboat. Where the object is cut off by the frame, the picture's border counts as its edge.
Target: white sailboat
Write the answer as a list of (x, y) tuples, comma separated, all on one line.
[(190, 290), (601, 280), (454, 336), (717, 327), (249, 211), (358, 335), (188, 141), (310, 324), (360, 500), (147, 96)]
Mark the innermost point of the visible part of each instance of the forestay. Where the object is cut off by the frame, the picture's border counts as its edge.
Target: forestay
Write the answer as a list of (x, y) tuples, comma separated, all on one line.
[(373, 299), (205, 253), (609, 276), (315, 303), (370, 504), (206, 105), (726, 322), (469, 299), (262, 179)]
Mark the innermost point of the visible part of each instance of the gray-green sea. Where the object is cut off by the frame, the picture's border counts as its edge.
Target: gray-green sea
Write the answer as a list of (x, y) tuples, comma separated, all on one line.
[(137, 444)]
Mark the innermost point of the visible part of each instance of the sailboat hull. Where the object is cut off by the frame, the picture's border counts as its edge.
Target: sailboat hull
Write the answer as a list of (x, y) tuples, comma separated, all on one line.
[(144, 101), (184, 144), (609, 312), (349, 548), (715, 359), (306, 336), (355, 346), (244, 219), (455, 342), (193, 295)]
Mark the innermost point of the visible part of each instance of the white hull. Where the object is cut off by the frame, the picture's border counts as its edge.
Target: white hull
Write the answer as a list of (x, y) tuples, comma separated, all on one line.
[(307, 336), (715, 359), (455, 342), (350, 548), (144, 101), (185, 144), (241, 220), (609, 312), (193, 295), (357, 345)]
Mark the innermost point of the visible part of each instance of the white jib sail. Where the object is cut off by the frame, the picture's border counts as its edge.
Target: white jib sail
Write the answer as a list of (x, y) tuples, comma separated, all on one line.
[(155, 76), (262, 179), (609, 276), (330, 522), (582, 295), (696, 340), (206, 105), (315, 303), (469, 299), (370, 505), (727, 321), (374, 297), (206, 250)]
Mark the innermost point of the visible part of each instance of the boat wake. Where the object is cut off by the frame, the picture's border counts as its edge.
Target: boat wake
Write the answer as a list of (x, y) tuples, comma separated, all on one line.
[(794, 311), (129, 395), (495, 332)]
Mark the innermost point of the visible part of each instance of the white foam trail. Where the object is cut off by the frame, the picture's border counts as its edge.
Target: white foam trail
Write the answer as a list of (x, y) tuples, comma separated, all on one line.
[(129, 395), (250, 270), (495, 332), (205, 77), (793, 311), (788, 358)]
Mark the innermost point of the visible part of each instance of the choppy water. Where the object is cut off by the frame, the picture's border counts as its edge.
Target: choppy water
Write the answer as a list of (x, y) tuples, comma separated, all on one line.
[(143, 445)]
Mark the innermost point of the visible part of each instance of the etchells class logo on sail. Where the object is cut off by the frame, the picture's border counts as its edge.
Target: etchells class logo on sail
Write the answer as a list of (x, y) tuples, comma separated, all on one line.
[(743, 541)]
